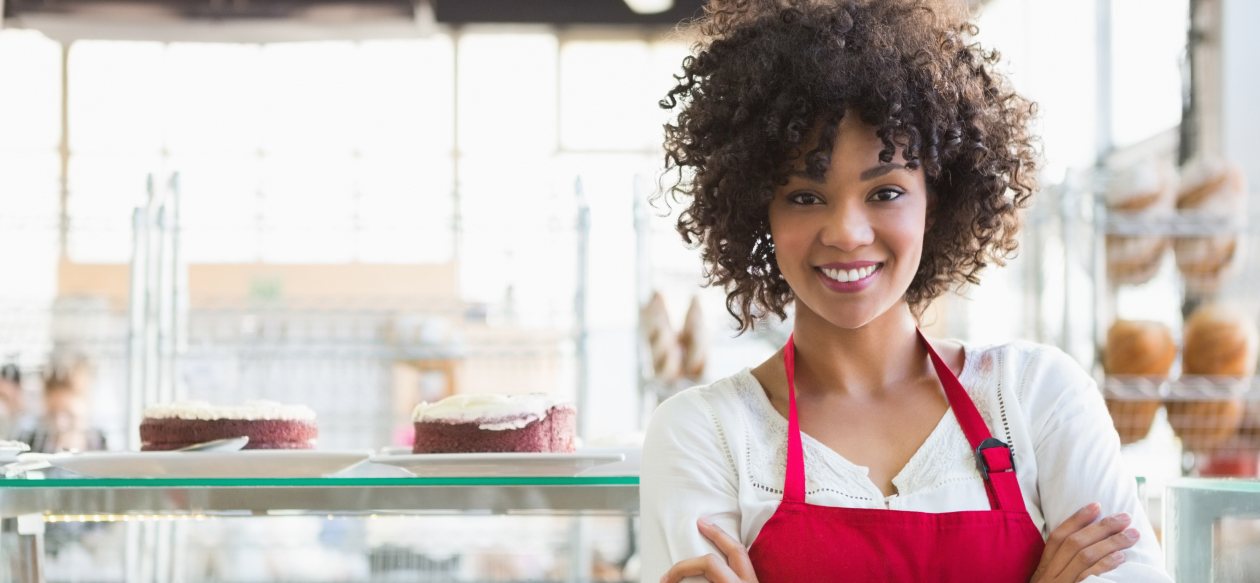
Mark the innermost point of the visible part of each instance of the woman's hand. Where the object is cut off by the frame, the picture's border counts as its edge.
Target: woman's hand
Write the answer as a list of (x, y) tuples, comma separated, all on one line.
[(734, 568), (1081, 547)]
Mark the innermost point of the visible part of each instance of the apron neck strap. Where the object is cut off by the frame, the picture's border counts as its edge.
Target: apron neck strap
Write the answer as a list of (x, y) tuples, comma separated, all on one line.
[(959, 401), (794, 475)]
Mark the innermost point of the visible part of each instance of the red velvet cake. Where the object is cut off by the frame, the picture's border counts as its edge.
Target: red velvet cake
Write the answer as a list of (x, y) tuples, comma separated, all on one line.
[(532, 423), (268, 425)]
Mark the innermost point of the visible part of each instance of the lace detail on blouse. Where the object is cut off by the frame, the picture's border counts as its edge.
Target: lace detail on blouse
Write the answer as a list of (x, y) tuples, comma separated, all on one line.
[(766, 464)]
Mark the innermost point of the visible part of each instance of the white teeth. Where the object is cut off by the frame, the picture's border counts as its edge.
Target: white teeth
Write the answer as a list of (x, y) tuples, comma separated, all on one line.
[(846, 276)]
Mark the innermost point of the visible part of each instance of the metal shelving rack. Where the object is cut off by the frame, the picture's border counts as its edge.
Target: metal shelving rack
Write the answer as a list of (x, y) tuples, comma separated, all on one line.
[(1199, 403)]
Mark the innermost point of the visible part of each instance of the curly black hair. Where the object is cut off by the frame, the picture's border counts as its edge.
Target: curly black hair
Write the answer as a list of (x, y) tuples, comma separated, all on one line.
[(770, 75)]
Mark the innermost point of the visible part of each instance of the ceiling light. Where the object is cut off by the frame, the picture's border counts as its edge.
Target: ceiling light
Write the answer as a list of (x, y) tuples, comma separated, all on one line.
[(649, 6)]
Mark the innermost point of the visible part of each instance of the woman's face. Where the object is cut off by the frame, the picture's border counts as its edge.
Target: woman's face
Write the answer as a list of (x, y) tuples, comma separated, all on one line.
[(849, 246)]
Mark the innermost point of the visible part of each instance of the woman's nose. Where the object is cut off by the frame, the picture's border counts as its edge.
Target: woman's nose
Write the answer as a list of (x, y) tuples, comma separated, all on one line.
[(847, 229)]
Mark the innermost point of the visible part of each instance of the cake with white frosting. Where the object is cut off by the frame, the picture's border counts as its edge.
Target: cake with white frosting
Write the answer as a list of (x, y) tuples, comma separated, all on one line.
[(267, 424), (495, 423)]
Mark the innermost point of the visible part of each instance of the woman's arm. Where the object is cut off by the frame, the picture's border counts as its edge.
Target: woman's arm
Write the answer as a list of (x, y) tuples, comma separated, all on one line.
[(1079, 462), (686, 474)]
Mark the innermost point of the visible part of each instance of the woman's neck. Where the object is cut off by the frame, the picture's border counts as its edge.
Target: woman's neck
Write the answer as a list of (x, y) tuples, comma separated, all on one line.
[(863, 362)]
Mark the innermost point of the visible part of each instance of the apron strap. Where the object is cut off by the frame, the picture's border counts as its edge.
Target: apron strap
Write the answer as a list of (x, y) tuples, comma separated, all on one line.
[(993, 458), (794, 473)]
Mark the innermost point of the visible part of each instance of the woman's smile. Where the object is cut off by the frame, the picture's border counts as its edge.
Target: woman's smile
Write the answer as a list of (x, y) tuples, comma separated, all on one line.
[(854, 279)]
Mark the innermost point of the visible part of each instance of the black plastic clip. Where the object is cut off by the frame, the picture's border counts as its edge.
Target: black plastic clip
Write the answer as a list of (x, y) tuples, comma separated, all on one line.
[(982, 464)]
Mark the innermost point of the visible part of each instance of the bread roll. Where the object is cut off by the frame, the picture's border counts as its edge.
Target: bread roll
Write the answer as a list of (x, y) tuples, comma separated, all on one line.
[(1134, 260), (661, 340), (694, 342), (1139, 348), (1144, 192), (1220, 341), (1207, 182), (1136, 348), (1151, 184), (1210, 188)]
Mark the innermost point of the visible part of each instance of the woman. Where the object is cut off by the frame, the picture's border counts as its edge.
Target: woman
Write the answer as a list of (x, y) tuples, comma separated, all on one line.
[(854, 161), (10, 398), (64, 424)]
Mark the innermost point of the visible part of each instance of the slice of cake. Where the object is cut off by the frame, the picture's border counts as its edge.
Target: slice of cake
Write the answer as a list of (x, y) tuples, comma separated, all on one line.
[(495, 423), (268, 425)]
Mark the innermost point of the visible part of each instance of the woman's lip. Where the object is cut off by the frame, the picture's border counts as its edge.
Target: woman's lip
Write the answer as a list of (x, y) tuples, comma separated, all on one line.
[(848, 286), (848, 266)]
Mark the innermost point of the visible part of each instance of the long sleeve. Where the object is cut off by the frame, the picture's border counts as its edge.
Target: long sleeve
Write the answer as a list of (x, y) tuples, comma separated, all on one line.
[(686, 474), (1079, 462)]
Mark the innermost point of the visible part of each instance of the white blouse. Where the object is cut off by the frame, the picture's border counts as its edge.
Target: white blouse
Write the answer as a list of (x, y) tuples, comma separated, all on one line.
[(719, 451)]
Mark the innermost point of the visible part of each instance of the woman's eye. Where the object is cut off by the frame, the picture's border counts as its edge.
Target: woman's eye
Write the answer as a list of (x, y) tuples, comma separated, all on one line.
[(886, 195), (804, 198)]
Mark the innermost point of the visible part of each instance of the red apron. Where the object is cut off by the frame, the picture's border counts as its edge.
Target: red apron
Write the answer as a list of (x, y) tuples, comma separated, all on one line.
[(807, 543)]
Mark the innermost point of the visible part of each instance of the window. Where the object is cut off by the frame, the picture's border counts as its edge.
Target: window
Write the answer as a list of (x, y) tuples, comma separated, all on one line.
[(259, 132)]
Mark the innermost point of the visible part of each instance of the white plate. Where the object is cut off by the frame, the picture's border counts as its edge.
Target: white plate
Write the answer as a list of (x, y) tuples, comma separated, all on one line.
[(436, 465), (253, 463), (10, 454)]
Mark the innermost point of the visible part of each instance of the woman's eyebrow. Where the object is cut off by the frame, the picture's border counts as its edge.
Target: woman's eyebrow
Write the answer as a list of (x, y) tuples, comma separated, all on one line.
[(877, 171), (868, 174)]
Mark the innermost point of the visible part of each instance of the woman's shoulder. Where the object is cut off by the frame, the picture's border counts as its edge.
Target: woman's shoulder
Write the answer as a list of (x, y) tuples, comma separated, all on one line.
[(1029, 361), (1041, 378), (700, 418), (719, 399)]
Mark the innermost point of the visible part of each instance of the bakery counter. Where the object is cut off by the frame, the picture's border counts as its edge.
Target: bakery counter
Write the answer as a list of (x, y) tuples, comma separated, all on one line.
[(1211, 529), (360, 495)]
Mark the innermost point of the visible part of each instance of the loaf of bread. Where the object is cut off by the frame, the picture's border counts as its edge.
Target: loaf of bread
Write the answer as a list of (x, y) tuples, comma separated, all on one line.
[(1137, 349), (1220, 342)]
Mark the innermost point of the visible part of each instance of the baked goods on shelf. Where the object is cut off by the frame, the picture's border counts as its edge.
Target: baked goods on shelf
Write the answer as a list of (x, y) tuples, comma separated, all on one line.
[(535, 423), (1137, 348), (1143, 192), (674, 356), (1220, 343), (694, 342), (267, 424), (666, 352), (1210, 188)]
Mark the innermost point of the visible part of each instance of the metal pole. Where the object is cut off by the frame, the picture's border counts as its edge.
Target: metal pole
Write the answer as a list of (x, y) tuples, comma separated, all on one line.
[(578, 535), (583, 250), (643, 291), (179, 287), (136, 344), (152, 293), (1103, 97)]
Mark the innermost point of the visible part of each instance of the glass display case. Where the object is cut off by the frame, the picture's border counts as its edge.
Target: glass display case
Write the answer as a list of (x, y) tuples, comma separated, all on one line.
[(170, 522), (1212, 530)]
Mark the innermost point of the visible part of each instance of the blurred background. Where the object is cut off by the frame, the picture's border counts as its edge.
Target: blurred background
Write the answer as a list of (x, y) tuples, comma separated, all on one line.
[(358, 206)]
